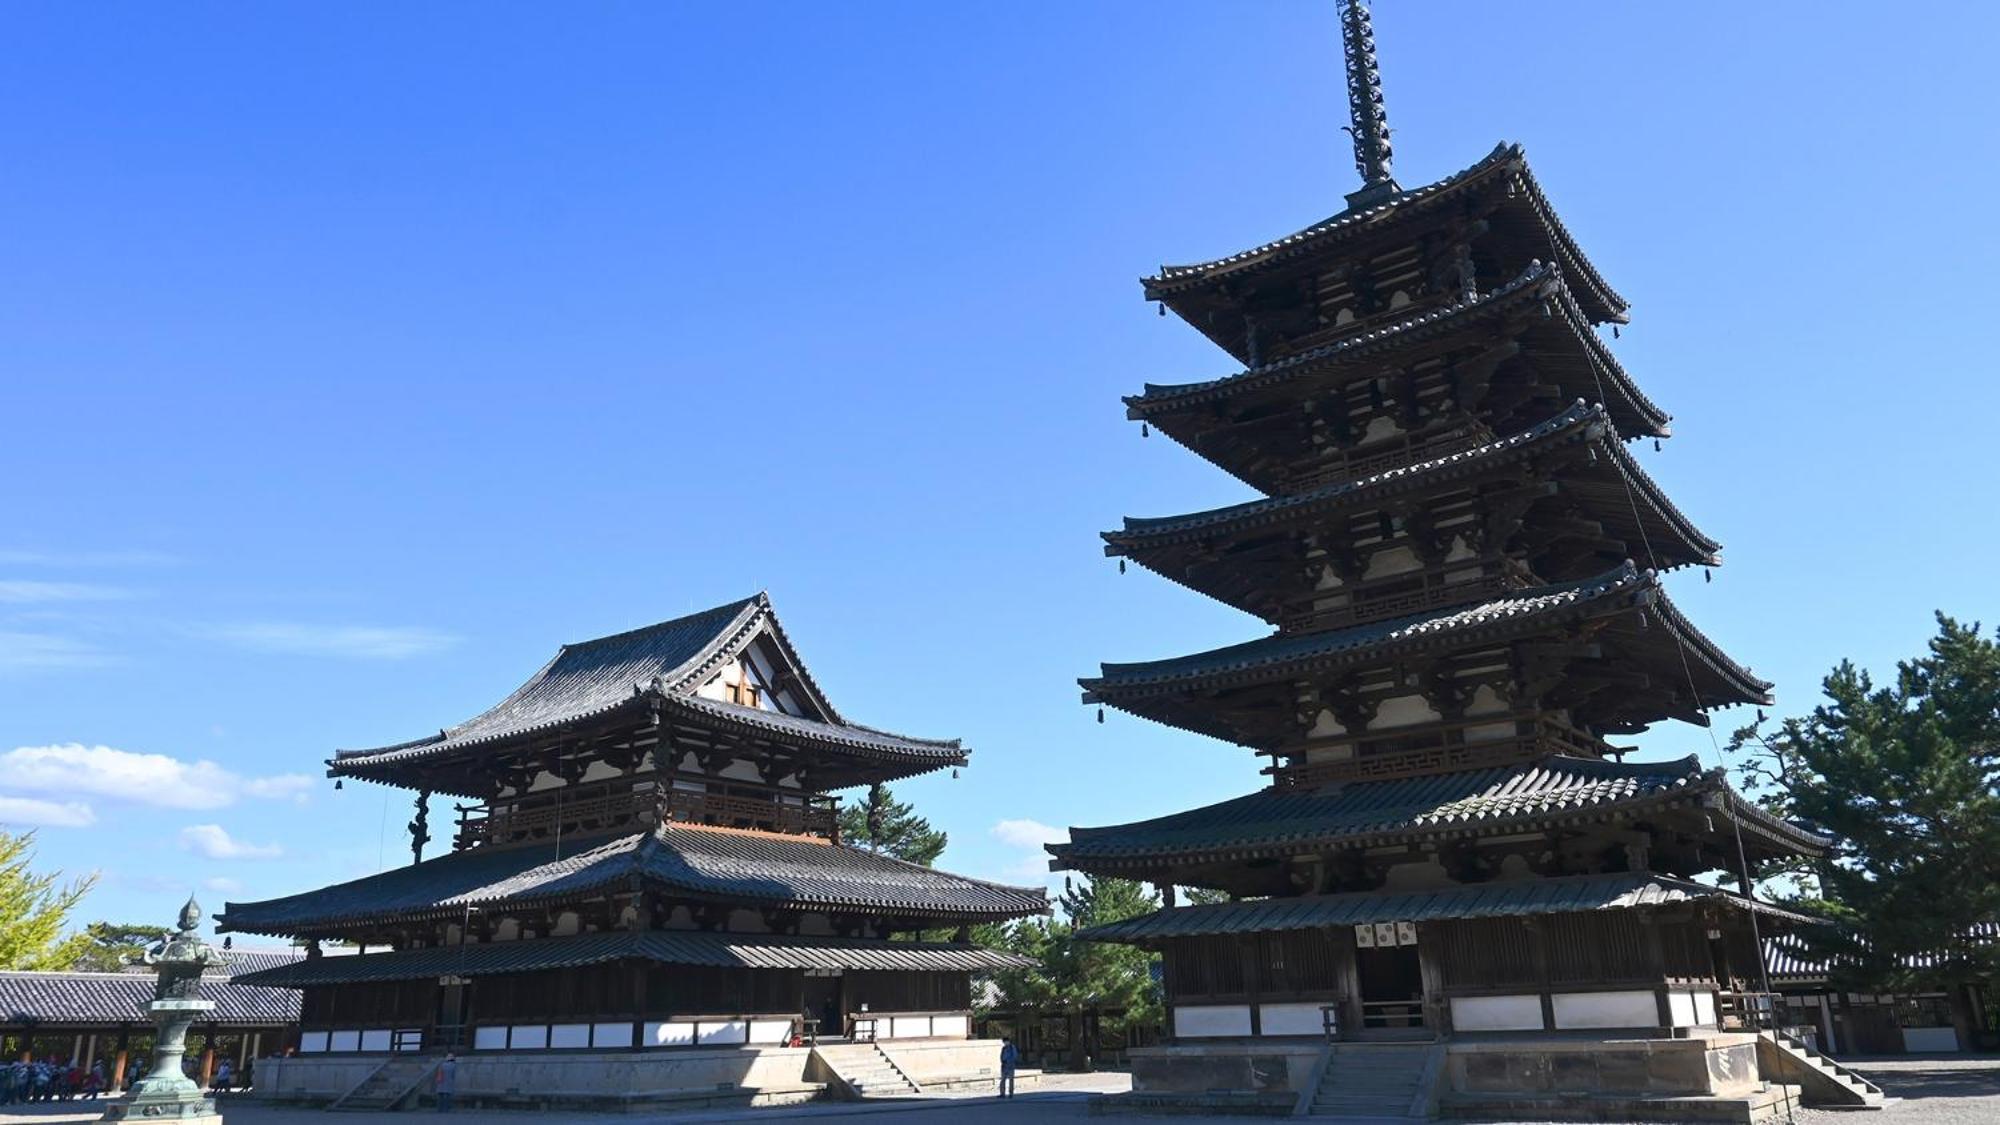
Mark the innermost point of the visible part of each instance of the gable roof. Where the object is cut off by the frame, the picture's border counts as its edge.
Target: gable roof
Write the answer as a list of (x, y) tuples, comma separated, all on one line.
[(634, 673), (1276, 822), (709, 864)]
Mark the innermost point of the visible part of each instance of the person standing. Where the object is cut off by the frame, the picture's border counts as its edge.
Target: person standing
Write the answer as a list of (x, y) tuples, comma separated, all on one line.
[(447, 1082), (1010, 1057)]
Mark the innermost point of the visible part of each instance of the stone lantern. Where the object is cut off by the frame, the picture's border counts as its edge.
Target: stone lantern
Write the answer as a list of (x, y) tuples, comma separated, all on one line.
[(166, 1094)]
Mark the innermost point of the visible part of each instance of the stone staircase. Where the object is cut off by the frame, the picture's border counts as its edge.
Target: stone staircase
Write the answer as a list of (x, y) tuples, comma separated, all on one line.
[(388, 1086), (1375, 1081), (865, 1071), (1822, 1081)]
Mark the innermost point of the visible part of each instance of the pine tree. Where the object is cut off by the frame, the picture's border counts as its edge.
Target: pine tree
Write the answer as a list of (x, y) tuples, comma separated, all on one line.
[(1906, 777), (34, 909), (1082, 979), (111, 946), (883, 824)]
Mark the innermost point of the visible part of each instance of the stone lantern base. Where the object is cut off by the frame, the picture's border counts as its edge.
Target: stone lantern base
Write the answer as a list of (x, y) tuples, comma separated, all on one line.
[(165, 1094)]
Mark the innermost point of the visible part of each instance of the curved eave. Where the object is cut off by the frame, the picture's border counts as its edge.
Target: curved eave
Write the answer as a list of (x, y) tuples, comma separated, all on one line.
[(923, 754), (1695, 645), (1624, 587), (1546, 283), (1506, 162), (1143, 539)]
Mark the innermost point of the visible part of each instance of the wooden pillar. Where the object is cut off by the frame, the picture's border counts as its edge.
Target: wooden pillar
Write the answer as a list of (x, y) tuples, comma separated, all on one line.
[(207, 1056), (75, 1049), (89, 1050), (242, 1051), (118, 1067)]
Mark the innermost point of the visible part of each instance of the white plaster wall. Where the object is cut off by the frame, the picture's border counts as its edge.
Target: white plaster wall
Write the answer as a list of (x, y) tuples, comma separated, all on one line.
[(1211, 1020), (569, 1035), (1496, 1013), (1289, 1019), (1681, 1006), (1393, 561), (1928, 1039), (1704, 1008), (1606, 1009), (1403, 711)]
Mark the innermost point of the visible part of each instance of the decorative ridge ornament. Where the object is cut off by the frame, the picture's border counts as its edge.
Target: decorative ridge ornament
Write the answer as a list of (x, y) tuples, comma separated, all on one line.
[(1373, 155)]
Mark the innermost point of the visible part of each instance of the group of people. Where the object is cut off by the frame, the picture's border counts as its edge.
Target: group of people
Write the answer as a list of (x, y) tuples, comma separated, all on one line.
[(50, 1080)]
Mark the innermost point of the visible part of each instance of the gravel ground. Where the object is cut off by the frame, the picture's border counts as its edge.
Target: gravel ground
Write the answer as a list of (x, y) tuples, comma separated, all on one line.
[(1939, 1090)]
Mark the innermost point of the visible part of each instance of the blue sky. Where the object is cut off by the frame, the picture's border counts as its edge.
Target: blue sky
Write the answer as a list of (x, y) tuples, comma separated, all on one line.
[(352, 357)]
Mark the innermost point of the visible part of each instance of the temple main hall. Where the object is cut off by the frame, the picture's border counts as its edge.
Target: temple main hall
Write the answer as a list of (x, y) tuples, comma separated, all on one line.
[(646, 901), (1453, 890)]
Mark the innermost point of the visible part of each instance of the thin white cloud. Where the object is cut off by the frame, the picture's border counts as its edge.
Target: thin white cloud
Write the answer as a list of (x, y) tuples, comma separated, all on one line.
[(29, 591), (1028, 834), (75, 770), (32, 812), (23, 557), (211, 841), (356, 642), (29, 652), (222, 885)]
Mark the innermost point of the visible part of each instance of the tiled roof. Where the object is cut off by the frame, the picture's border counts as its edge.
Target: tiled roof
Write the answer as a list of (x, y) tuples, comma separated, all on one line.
[(1790, 959), (1572, 894), (703, 863), (1478, 800), (1538, 283), (1580, 422), (50, 999), (657, 666), (672, 947), (1505, 160), (1273, 822), (1520, 613)]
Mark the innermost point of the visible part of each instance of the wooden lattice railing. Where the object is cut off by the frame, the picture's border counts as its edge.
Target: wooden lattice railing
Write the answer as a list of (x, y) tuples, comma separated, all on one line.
[(643, 803), (1442, 748)]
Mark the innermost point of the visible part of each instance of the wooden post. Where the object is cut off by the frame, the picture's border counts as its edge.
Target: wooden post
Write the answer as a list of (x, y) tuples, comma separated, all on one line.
[(89, 1050), (75, 1049), (207, 1056), (118, 1067)]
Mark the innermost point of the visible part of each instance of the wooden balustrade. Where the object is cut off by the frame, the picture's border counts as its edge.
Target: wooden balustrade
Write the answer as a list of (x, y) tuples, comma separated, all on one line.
[(636, 804), (1351, 467), (1387, 598), (1442, 748)]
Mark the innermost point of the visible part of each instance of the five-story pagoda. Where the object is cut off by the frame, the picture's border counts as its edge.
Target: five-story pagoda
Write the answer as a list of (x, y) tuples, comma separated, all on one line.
[(1462, 562)]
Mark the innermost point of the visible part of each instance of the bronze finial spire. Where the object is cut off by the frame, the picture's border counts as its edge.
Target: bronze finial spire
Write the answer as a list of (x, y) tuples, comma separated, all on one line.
[(1370, 130)]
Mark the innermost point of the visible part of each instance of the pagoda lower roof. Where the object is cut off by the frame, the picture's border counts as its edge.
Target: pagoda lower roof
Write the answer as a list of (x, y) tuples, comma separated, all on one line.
[(1154, 688), (1611, 480), (1556, 791), (703, 948), (1523, 898), (1525, 217), (629, 678), (757, 869), (1569, 347)]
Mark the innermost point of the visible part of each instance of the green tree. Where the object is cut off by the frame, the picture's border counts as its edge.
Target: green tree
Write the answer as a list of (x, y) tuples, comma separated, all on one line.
[(883, 824), (1906, 777), (35, 908), (111, 946), (1082, 980)]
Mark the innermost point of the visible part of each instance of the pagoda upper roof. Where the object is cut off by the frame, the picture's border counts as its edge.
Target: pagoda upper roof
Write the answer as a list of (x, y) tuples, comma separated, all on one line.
[(628, 676), (1608, 476), (710, 864), (1565, 343), (1161, 689), (1519, 898), (1556, 791), (1523, 215)]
